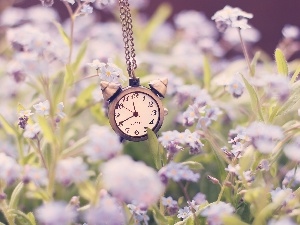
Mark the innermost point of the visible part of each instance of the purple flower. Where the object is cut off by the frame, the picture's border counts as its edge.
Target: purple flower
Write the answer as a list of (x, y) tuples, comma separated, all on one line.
[(263, 136), (236, 88), (71, 170), (282, 196), (168, 202), (184, 213), (140, 215), (103, 143), (215, 211), (109, 210), (177, 172), (199, 198), (292, 150), (290, 31), (167, 137), (282, 221), (36, 175), (9, 169), (42, 108), (140, 183), (55, 213)]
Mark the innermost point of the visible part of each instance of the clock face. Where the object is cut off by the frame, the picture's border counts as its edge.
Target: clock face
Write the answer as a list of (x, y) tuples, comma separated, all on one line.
[(136, 111)]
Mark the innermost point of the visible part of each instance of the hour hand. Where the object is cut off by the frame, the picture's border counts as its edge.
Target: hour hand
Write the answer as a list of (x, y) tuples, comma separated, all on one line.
[(121, 122)]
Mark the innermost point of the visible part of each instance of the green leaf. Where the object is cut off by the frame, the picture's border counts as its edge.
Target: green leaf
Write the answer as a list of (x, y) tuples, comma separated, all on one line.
[(295, 75), (80, 55), (292, 103), (22, 218), (193, 165), (31, 218), (255, 103), (281, 62), (156, 149), (62, 33), (15, 196), (87, 190), (159, 17), (254, 62), (247, 160), (232, 220), (75, 148), (46, 129), (158, 217), (69, 76), (206, 73), (85, 97), (9, 129)]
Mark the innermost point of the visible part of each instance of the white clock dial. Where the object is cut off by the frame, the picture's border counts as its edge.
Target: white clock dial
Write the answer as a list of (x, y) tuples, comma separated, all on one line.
[(136, 111)]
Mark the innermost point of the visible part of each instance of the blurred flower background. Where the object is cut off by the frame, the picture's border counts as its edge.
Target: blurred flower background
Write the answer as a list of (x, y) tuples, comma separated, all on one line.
[(227, 153)]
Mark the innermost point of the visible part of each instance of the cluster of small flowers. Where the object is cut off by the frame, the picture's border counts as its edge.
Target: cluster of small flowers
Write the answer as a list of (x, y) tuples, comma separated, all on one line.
[(264, 136), (177, 172), (174, 141), (140, 184), (35, 52), (139, 214), (108, 71), (96, 149), (231, 17), (202, 110), (41, 109)]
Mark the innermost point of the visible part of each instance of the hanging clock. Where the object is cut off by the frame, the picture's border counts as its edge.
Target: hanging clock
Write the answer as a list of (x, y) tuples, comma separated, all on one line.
[(135, 108)]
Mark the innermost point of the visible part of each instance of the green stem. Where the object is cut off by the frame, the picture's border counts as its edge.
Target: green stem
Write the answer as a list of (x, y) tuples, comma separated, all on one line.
[(189, 200), (245, 52), (223, 188), (9, 218)]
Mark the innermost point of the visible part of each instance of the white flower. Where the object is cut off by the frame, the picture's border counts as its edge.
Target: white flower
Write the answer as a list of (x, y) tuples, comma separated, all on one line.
[(96, 64), (42, 108), (71, 170), (86, 9), (132, 181), (290, 31), (25, 113), (292, 150), (100, 4), (31, 130), (55, 213), (231, 17), (70, 1), (111, 73), (103, 143), (9, 169)]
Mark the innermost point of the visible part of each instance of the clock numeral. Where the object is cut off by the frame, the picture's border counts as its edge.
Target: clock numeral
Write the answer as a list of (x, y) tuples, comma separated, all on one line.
[(134, 95), (136, 132), (119, 106), (152, 121), (150, 104), (144, 98), (154, 112), (117, 115), (127, 130), (126, 98)]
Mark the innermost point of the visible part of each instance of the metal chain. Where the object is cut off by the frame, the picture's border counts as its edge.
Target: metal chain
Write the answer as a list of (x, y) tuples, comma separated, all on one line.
[(126, 22)]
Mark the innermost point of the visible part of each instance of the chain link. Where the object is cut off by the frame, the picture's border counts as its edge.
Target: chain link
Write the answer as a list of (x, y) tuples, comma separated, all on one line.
[(126, 22)]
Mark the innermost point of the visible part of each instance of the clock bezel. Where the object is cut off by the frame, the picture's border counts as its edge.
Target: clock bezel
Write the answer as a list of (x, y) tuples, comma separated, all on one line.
[(128, 90)]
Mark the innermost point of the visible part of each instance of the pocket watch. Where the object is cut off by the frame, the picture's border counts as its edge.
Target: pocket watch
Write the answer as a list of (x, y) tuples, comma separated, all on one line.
[(135, 108)]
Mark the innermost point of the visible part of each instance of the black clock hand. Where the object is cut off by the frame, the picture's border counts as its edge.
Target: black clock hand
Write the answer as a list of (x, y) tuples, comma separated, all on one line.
[(121, 122), (128, 109), (134, 107)]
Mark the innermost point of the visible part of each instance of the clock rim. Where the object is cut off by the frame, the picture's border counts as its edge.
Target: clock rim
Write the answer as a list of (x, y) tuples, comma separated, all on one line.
[(125, 91)]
